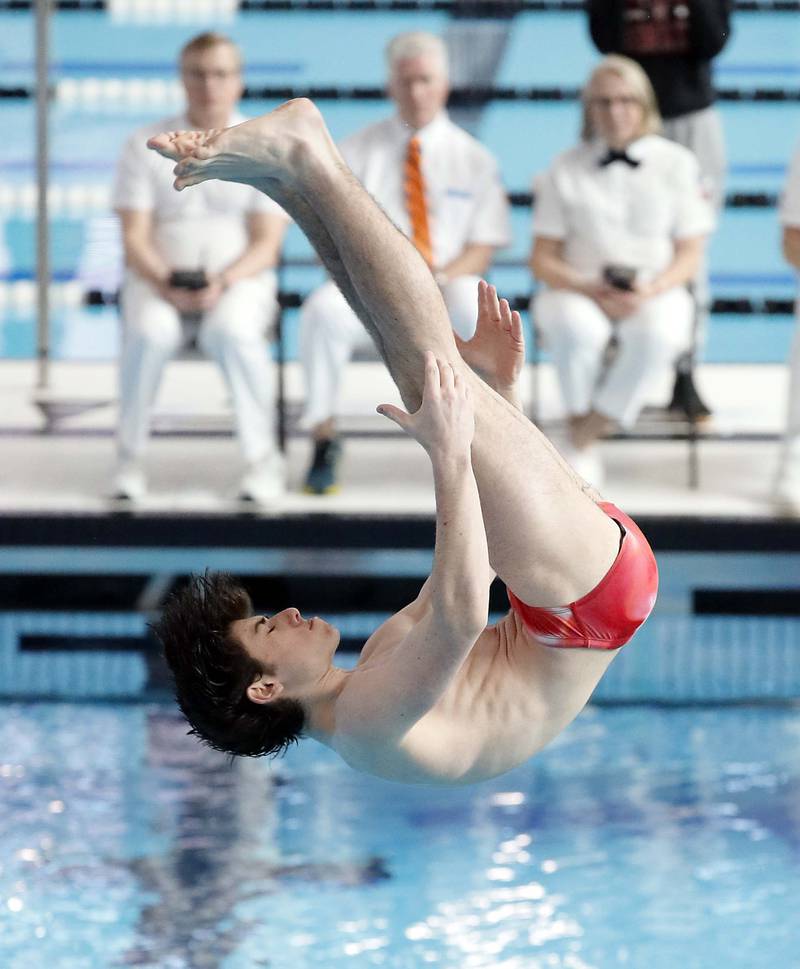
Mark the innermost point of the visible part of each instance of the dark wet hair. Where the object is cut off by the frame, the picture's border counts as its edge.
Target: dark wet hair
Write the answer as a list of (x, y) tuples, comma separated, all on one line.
[(212, 670)]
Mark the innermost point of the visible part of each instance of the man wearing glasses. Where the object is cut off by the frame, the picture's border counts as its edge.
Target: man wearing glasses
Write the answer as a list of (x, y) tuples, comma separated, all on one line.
[(199, 264)]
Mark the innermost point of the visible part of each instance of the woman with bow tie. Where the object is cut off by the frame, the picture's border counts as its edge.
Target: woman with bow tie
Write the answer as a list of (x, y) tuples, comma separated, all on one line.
[(620, 225)]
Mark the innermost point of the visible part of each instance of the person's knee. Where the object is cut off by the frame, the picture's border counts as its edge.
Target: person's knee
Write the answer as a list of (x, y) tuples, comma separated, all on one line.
[(157, 328), (659, 333), (326, 314), (571, 319), (245, 313), (244, 334), (461, 299)]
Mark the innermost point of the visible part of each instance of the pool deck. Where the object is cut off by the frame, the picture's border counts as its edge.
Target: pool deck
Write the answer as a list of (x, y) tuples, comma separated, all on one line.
[(57, 477)]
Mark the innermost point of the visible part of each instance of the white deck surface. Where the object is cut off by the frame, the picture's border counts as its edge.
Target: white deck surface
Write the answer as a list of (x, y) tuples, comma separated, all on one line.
[(70, 471)]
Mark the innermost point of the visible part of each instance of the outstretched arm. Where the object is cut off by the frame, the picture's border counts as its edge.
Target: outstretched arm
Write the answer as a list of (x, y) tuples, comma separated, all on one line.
[(408, 685)]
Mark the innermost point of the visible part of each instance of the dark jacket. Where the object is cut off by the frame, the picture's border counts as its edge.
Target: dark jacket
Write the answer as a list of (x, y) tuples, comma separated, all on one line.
[(675, 52)]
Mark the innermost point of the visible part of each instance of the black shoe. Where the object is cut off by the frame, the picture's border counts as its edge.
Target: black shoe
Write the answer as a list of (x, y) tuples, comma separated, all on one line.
[(686, 400), (321, 477)]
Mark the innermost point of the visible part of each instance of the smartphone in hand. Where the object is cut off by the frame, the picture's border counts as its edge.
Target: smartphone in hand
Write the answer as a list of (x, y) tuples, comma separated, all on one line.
[(192, 279), (620, 277)]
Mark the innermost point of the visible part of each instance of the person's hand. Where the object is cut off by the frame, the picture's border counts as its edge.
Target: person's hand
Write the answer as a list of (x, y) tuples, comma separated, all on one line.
[(618, 304), (445, 422), (649, 290), (497, 348), (209, 296), (192, 301), (597, 289), (184, 300)]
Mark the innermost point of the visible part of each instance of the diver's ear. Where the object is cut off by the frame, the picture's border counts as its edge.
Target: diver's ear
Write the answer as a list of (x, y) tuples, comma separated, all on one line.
[(264, 689)]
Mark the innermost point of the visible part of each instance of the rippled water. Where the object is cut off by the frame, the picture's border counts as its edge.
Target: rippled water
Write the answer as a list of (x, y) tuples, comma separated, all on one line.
[(642, 838)]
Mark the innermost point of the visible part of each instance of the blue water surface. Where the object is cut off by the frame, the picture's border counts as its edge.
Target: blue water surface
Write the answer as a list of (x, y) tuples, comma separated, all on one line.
[(642, 837)]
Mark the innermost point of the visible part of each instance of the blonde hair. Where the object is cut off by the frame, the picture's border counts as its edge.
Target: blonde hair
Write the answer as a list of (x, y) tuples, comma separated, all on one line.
[(206, 41), (639, 83), (416, 43)]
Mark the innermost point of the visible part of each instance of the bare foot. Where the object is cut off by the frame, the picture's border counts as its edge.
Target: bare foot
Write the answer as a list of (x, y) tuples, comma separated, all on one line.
[(277, 145), (497, 348)]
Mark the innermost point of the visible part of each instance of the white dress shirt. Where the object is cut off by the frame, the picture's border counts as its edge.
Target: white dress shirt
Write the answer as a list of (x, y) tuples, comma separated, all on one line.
[(789, 467), (202, 227), (790, 198), (618, 214), (789, 215), (466, 200)]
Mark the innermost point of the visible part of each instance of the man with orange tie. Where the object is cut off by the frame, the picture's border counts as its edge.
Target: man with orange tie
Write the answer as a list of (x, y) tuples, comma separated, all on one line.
[(442, 189)]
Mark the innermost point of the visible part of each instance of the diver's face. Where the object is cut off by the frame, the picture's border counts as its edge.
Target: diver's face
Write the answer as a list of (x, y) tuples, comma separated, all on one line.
[(419, 88), (296, 651), (212, 80), (615, 111)]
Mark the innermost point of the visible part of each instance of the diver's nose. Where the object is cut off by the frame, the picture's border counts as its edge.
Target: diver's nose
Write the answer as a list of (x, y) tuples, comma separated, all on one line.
[(290, 616)]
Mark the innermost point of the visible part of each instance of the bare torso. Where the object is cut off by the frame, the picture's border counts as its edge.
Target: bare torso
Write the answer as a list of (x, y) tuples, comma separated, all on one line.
[(508, 699)]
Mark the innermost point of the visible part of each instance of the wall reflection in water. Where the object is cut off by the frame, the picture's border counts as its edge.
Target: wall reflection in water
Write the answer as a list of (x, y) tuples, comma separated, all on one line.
[(222, 820)]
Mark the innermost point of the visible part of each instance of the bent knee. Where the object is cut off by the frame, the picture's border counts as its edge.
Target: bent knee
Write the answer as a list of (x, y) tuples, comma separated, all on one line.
[(461, 299), (158, 331), (570, 316)]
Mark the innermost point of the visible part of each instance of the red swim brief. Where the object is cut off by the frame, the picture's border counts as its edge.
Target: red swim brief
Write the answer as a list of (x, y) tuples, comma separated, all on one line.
[(609, 615)]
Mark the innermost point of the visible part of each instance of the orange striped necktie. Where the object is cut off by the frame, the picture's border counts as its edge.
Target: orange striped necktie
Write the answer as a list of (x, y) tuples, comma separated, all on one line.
[(414, 185)]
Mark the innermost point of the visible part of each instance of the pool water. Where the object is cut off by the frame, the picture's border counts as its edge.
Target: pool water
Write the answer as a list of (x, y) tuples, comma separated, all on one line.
[(642, 837)]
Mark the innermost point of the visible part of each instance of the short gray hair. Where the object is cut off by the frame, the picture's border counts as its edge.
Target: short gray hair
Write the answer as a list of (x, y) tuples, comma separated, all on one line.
[(416, 43), (207, 41)]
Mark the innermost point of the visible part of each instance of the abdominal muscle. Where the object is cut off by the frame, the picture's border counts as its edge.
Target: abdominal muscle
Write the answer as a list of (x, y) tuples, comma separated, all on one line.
[(492, 718)]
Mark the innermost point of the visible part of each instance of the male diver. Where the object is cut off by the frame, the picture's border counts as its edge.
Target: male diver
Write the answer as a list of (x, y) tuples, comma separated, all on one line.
[(436, 695)]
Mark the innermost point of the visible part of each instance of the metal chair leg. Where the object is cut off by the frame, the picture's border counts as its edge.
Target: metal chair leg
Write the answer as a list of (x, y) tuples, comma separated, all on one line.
[(281, 379)]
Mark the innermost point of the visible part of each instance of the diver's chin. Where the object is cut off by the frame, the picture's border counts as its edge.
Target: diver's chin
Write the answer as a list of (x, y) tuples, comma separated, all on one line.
[(330, 629)]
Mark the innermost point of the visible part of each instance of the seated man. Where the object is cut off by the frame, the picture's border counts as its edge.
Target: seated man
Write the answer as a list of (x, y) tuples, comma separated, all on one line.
[(442, 189), (207, 259), (436, 695)]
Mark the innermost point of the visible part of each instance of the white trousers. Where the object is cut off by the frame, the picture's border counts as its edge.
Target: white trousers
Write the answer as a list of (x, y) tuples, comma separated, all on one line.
[(790, 448), (330, 332), (233, 334), (577, 332), (702, 133)]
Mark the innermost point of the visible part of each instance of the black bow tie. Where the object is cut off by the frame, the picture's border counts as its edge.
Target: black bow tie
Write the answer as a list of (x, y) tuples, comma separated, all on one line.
[(614, 156)]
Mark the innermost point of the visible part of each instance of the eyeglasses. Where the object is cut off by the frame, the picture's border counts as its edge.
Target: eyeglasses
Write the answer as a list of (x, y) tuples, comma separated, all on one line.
[(625, 101), (194, 74)]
